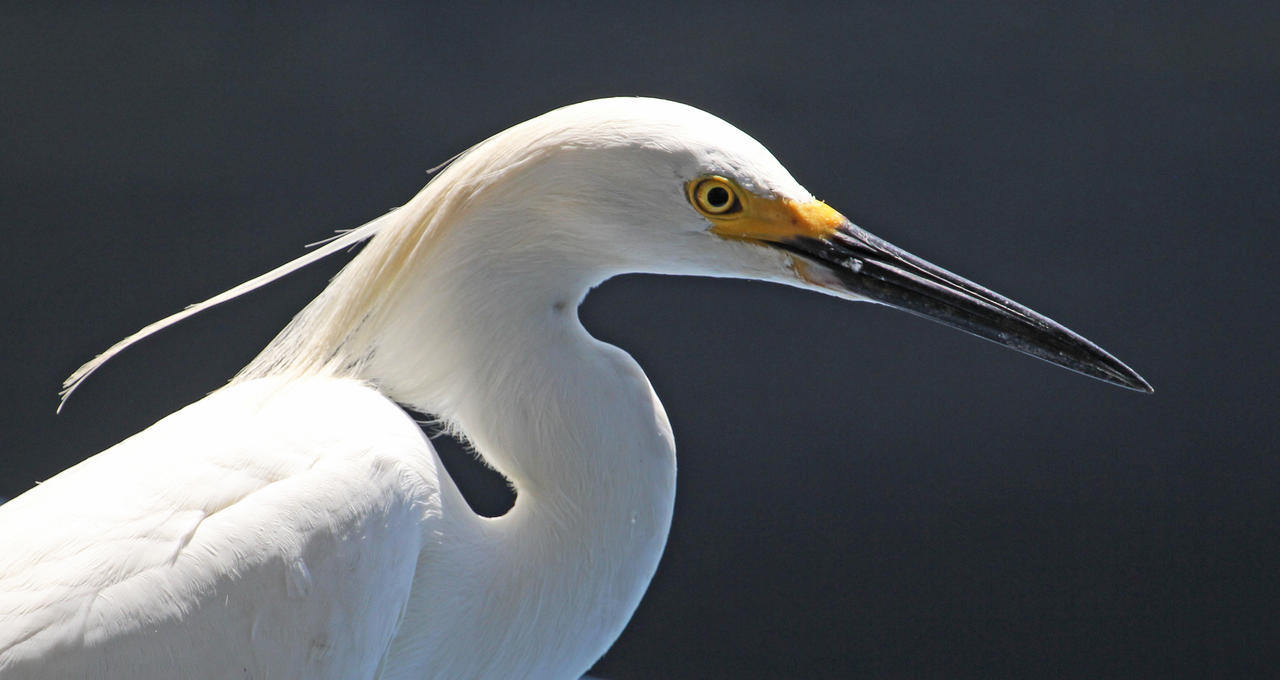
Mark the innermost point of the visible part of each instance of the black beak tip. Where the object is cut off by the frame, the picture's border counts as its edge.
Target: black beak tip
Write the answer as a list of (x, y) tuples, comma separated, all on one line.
[(1085, 358), (1135, 382), (1098, 363)]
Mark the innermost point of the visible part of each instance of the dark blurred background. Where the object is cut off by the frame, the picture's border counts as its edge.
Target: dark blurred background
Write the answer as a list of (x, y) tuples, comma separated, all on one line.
[(862, 494)]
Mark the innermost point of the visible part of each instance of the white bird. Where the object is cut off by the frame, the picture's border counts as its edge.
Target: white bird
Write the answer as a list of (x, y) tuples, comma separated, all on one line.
[(297, 524)]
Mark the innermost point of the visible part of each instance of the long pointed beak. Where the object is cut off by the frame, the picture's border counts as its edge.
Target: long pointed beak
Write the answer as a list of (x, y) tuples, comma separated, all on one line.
[(870, 268)]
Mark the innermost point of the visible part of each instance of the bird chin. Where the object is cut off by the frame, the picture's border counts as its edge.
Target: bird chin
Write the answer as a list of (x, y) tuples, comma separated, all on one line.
[(812, 276)]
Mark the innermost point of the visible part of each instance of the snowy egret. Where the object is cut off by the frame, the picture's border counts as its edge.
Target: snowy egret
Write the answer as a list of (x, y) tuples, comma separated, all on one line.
[(297, 523)]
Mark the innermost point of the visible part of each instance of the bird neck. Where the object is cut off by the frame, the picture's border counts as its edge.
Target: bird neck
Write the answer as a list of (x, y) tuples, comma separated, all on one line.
[(570, 421)]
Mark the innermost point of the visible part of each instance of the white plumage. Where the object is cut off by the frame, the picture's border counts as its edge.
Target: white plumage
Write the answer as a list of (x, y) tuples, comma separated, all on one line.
[(297, 523)]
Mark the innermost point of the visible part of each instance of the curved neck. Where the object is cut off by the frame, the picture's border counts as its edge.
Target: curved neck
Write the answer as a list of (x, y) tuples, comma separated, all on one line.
[(573, 424)]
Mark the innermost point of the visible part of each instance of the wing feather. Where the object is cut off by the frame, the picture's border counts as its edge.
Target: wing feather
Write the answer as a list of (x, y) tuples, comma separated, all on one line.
[(278, 524)]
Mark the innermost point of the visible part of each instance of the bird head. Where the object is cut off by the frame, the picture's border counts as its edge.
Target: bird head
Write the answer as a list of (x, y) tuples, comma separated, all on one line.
[(645, 185)]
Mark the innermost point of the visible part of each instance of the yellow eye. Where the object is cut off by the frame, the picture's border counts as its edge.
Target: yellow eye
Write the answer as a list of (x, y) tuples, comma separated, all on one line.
[(714, 196)]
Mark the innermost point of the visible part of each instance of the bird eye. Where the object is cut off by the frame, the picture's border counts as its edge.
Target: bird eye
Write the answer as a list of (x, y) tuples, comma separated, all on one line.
[(714, 196)]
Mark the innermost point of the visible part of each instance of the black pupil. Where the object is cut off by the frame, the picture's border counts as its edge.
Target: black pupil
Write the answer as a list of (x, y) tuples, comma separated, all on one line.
[(718, 197)]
